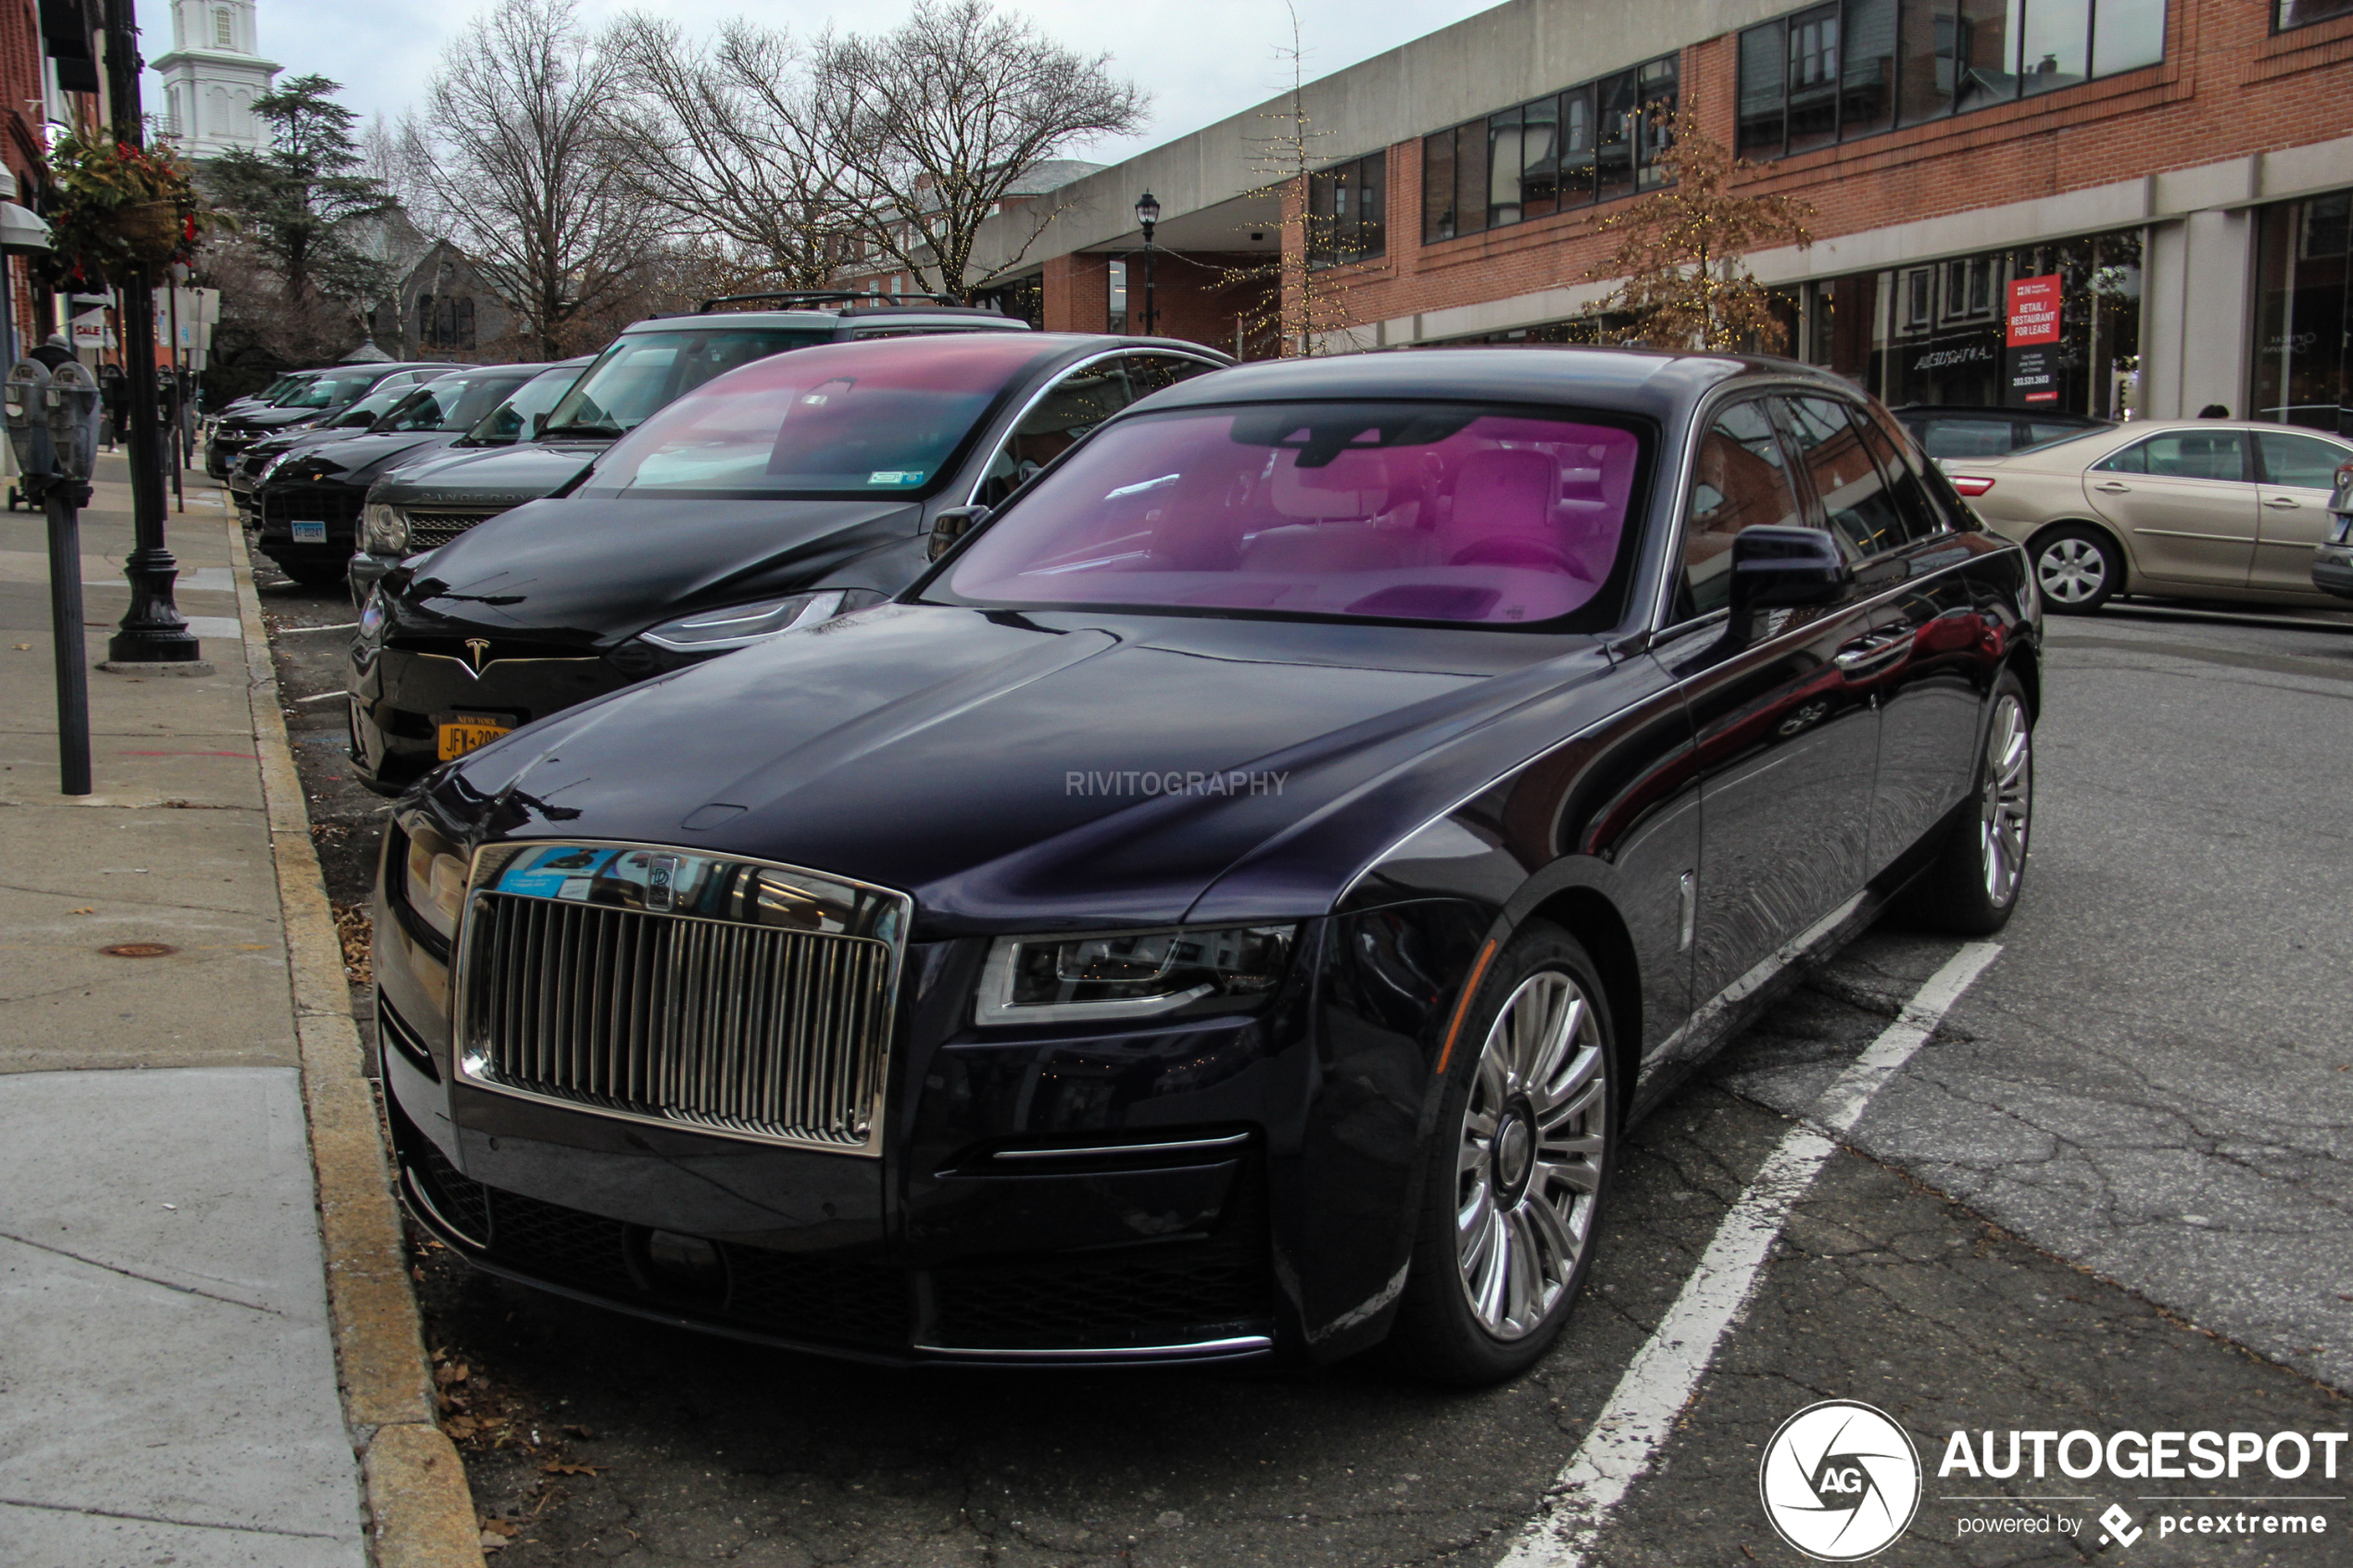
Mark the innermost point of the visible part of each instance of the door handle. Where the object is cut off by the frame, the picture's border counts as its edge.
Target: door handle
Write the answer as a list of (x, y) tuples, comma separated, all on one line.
[(1867, 653), (2283, 503), (2113, 488)]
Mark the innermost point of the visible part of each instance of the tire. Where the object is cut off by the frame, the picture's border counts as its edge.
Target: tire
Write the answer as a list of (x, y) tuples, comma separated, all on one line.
[(1530, 1057), (2077, 568), (1972, 887)]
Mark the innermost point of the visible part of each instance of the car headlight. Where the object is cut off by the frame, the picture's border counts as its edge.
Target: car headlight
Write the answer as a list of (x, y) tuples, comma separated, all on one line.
[(1130, 974), (384, 529), (714, 631), (435, 882)]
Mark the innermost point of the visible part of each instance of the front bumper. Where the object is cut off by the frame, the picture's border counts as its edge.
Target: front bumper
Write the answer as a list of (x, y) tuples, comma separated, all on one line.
[(2332, 570), (397, 692), (1209, 1189)]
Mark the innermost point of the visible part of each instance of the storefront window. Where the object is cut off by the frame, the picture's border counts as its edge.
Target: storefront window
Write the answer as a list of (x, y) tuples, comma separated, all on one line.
[(1943, 334), (2304, 313), (1939, 333)]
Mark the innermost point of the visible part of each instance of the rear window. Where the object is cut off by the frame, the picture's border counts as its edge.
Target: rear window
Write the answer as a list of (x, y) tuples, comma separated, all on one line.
[(1430, 511), (873, 419), (644, 371), (1964, 437)]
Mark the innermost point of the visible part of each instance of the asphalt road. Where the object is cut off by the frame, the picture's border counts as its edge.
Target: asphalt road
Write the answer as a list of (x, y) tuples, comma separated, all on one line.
[(2108, 1193)]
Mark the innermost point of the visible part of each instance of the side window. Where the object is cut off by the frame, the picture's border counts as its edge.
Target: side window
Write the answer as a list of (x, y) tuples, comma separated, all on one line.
[(1739, 480), (2304, 461), (2185, 454), (1855, 500), (1913, 503), (1071, 407)]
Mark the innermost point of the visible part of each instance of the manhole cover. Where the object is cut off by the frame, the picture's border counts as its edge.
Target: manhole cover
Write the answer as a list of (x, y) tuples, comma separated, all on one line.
[(140, 950)]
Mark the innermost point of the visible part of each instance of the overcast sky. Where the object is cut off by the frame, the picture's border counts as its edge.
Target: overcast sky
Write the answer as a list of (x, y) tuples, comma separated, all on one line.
[(1201, 60)]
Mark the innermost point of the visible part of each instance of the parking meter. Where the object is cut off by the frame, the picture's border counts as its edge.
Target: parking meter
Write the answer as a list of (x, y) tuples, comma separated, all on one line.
[(72, 409), (26, 402)]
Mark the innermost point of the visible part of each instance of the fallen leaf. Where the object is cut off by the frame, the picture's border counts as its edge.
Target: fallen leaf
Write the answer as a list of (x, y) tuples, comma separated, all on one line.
[(451, 1372), (574, 1429), (85, 910), (565, 1467), (493, 1543), (24, 648), (500, 1527)]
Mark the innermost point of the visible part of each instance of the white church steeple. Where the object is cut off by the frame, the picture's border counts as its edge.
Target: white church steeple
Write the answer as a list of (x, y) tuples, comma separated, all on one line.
[(211, 77)]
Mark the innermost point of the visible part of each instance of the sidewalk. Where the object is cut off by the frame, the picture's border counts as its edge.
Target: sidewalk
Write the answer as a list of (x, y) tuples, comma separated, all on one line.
[(168, 1348)]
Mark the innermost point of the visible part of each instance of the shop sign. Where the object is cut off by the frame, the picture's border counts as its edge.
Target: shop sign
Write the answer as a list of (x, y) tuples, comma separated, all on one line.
[(2033, 349)]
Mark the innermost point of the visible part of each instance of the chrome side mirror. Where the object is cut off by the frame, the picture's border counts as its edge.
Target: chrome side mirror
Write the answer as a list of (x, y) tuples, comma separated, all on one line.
[(953, 524)]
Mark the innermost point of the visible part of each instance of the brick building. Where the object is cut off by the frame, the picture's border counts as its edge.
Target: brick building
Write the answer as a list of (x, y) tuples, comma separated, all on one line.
[(2180, 168)]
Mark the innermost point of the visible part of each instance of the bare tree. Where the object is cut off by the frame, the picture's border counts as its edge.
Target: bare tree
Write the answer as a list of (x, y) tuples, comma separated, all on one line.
[(514, 160), (1682, 254), (1301, 296), (730, 140), (941, 120)]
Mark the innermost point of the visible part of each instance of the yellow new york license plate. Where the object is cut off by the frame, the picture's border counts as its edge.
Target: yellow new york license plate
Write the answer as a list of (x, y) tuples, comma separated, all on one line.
[(462, 735)]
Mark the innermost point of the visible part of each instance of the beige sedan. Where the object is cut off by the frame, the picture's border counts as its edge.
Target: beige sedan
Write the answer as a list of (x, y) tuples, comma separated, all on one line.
[(2188, 509)]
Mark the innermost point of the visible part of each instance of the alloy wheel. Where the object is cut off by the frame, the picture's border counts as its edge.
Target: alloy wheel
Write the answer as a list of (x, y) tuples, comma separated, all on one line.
[(2072, 570), (1529, 1165), (2008, 801)]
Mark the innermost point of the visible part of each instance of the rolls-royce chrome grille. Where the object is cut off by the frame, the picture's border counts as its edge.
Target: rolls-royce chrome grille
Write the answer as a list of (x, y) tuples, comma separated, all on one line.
[(654, 983)]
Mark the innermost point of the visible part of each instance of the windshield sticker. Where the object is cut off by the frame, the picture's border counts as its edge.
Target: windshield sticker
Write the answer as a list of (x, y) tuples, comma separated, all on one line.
[(895, 476), (555, 873)]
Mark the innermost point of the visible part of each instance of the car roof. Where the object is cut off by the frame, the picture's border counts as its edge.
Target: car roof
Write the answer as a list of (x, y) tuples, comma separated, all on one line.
[(961, 317), (1653, 382), (1985, 411)]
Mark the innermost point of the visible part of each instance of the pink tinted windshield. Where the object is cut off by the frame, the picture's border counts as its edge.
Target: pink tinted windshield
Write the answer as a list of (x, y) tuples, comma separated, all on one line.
[(1388, 511)]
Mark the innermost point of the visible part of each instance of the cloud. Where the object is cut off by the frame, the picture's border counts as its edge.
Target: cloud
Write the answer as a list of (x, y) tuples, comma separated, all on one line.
[(1201, 60)]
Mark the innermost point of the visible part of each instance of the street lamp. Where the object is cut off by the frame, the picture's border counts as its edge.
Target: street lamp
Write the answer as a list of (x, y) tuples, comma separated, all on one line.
[(153, 630), (1147, 215)]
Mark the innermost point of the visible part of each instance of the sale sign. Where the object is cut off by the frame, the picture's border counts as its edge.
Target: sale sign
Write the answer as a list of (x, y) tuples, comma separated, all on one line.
[(2035, 310)]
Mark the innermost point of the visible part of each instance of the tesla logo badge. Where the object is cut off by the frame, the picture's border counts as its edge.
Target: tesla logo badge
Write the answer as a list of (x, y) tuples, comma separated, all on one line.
[(476, 648)]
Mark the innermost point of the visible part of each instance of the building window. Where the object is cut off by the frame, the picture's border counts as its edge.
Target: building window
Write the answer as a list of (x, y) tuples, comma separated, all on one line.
[(1601, 139), (224, 28), (1118, 274), (2296, 13), (2304, 313), (1834, 72), (1348, 212)]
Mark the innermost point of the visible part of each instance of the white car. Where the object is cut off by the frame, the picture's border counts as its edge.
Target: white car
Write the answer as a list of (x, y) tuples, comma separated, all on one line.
[(2189, 508)]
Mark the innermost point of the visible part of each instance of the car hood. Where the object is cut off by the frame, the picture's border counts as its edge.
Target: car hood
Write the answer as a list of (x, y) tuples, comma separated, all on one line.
[(1058, 772), (360, 458), (498, 476), (600, 570)]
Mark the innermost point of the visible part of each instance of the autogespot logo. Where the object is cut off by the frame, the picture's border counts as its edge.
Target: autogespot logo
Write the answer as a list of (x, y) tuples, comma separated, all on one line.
[(1840, 1481)]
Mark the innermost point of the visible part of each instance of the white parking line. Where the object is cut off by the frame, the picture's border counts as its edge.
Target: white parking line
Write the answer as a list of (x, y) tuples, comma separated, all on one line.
[(1625, 1438)]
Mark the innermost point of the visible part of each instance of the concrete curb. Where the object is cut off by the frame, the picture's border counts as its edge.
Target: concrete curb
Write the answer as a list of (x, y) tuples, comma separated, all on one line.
[(421, 1513)]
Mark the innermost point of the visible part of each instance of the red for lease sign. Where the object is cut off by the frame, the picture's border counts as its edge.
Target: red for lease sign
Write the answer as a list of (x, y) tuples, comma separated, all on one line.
[(2035, 310)]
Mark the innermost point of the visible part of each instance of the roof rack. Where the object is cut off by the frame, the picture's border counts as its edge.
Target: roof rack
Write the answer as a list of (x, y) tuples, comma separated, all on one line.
[(824, 297)]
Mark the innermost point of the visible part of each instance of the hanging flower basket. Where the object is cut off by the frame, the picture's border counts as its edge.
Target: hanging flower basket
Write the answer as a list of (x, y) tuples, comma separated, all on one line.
[(112, 207)]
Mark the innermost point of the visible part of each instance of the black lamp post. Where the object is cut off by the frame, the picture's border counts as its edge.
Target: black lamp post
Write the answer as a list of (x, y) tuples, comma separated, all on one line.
[(153, 630), (1147, 215)]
